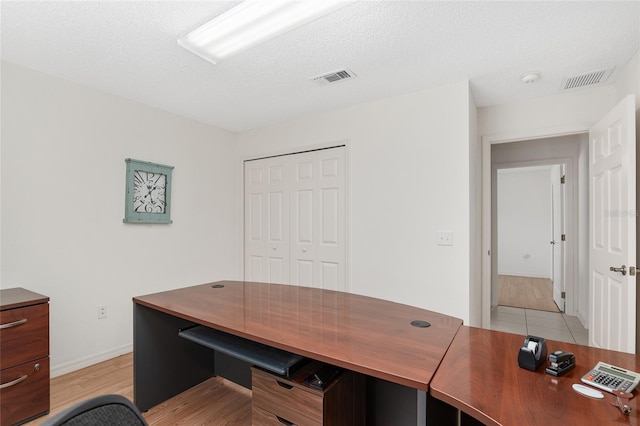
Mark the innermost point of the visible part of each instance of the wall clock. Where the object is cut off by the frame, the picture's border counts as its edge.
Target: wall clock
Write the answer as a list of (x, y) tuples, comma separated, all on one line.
[(148, 193)]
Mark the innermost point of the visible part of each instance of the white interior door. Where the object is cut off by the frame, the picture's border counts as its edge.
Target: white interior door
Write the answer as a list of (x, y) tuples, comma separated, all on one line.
[(612, 207), (295, 219), (267, 220), (318, 232), (557, 229)]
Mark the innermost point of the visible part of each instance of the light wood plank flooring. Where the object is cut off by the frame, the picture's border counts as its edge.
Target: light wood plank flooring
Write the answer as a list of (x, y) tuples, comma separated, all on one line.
[(526, 292), (214, 402)]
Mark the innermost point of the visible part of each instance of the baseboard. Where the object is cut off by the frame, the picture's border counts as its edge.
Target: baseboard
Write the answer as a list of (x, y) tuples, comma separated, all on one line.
[(59, 370), (517, 274), (583, 320)]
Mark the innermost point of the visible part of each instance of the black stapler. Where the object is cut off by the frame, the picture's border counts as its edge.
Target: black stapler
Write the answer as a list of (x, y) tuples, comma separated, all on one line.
[(532, 353), (560, 362)]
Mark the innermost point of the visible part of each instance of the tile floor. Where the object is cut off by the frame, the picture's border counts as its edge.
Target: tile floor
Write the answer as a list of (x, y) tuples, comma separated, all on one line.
[(550, 325)]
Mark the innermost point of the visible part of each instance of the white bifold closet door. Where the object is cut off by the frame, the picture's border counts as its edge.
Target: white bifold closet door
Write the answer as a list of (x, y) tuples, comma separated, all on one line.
[(295, 215)]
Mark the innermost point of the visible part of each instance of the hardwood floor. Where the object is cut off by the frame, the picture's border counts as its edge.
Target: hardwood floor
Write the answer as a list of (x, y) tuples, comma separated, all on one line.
[(214, 402), (526, 292)]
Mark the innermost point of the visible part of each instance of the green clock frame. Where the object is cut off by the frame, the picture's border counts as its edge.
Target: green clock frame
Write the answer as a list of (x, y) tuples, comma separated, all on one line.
[(137, 167)]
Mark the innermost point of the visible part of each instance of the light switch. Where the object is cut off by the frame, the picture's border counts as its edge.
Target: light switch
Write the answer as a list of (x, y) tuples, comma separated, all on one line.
[(445, 238)]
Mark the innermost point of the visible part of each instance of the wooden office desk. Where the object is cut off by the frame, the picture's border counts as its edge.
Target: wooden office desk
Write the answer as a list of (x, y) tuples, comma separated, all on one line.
[(480, 376), (370, 336)]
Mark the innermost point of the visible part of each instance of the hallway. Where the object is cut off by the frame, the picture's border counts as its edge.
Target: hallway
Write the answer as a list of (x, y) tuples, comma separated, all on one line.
[(550, 325)]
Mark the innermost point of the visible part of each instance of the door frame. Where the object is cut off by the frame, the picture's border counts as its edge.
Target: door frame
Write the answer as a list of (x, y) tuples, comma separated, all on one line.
[(570, 248), (487, 141)]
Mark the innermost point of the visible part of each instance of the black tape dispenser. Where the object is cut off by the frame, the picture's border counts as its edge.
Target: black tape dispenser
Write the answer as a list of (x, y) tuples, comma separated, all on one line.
[(533, 353)]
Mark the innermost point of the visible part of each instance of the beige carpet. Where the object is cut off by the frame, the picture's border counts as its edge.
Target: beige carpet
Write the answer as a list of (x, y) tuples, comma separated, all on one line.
[(526, 292)]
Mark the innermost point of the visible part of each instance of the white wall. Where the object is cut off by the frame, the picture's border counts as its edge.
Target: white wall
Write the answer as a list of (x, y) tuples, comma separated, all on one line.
[(524, 222), (475, 216), (409, 176), (629, 80), (546, 115), (63, 181)]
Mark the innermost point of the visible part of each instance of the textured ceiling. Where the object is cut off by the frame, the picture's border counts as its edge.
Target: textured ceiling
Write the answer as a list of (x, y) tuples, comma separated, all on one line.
[(129, 48)]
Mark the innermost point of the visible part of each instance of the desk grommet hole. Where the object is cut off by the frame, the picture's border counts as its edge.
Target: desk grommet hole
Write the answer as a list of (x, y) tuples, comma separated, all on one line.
[(420, 323), (217, 286)]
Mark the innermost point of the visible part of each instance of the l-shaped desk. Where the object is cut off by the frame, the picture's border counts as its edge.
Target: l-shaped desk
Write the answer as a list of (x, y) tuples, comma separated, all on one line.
[(461, 368)]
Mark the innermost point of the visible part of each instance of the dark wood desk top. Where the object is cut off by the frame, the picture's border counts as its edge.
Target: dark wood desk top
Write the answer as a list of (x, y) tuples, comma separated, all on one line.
[(363, 334), (11, 298), (480, 376)]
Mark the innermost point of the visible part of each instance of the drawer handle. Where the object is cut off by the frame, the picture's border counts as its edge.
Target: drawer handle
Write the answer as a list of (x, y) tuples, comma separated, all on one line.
[(15, 382), (284, 421), (284, 385), (13, 324)]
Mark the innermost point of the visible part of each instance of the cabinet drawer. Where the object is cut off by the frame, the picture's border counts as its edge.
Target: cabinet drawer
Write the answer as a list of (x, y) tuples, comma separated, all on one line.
[(260, 417), (25, 336), (286, 399), (24, 398)]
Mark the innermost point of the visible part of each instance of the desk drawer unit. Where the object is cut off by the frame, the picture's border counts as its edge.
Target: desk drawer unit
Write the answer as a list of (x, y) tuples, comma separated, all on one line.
[(24, 356), (27, 391), (286, 399), (279, 401)]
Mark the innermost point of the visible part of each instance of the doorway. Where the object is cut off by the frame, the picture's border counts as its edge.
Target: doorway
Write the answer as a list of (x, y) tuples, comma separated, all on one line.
[(566, 155), (606, 223), (530, 227)]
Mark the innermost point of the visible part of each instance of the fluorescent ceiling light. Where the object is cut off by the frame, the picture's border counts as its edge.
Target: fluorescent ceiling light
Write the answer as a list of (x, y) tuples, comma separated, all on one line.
[(253, 22)]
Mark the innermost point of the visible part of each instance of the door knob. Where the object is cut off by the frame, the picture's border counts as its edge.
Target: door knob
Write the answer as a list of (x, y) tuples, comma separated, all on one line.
[(622, 269), (552, 242)]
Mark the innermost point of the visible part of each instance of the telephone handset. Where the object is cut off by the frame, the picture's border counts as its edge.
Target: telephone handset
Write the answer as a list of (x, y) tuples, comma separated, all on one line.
[(611, 378)]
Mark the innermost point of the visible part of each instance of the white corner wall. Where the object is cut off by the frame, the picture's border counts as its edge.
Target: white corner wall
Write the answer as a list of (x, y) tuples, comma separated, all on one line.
[(475, 218), (524, 222), (629, 80), (63, 181), (408, 177)]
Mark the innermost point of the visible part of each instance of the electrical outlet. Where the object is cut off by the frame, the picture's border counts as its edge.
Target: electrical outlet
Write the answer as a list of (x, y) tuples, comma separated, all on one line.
[(102, 312), (445, 238)]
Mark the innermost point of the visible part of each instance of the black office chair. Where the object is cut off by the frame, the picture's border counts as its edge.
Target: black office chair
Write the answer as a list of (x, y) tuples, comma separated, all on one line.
[(104, 410)]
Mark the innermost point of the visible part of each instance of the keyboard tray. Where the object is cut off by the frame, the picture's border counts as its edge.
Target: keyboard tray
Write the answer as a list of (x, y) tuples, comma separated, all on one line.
[(272, 359)]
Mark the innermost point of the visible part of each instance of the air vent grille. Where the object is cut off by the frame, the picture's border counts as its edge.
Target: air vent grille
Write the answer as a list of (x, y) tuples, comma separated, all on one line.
[(592, 78), (333, 77)]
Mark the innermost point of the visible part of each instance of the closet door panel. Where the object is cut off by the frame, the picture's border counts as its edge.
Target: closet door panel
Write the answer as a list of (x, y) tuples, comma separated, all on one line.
[(277, 220), (330, 276), (254, 221), (303, 230), (295, 219), (330, 251)]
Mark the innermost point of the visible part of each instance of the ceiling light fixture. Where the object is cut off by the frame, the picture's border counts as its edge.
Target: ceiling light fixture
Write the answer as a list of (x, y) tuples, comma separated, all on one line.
[(253, 22), (530, 77)]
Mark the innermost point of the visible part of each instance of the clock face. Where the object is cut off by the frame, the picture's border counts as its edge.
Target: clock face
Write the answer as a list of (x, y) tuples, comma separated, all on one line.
[(149, 191)]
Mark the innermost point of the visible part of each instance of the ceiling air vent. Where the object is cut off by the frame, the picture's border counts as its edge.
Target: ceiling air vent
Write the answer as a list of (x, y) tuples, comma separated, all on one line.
[(333, 77), (592, 78)]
